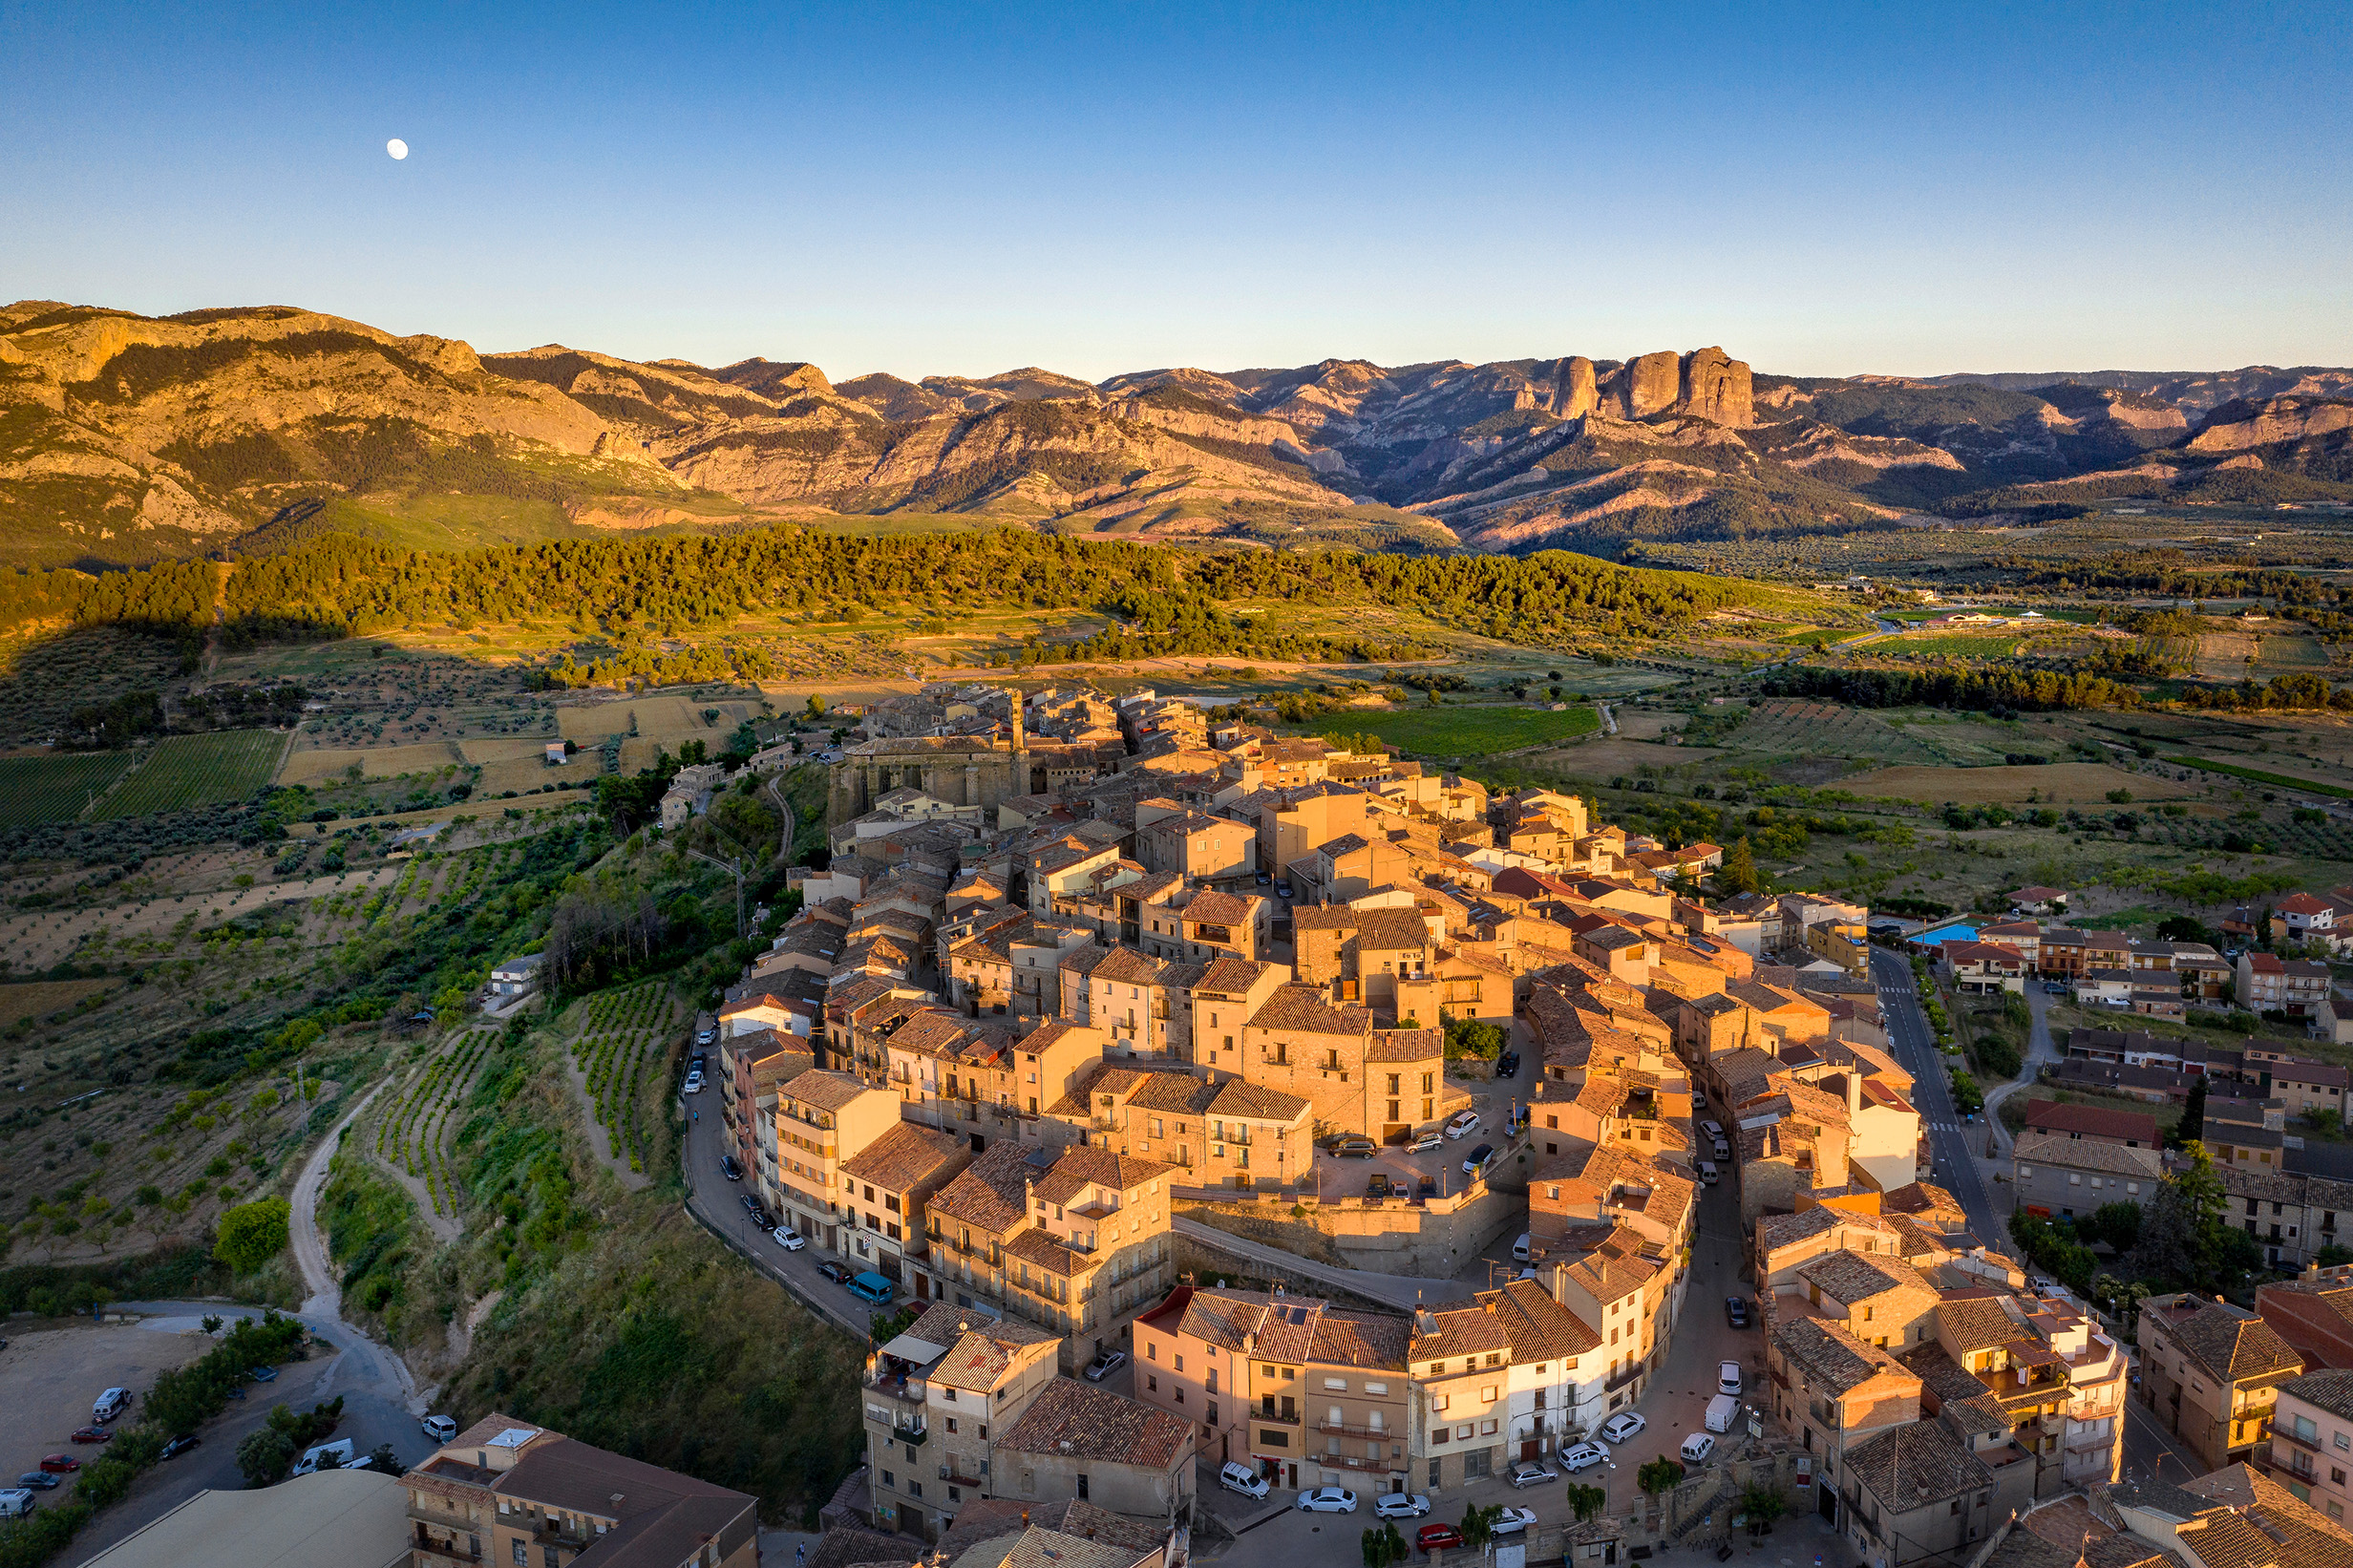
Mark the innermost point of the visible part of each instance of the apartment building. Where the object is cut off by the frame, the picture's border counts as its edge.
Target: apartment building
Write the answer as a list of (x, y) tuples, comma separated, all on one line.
[(1229, 1133), (2057, 1175), (2310, 1447), (504, 1490), (1302, 1392), (884, 1188), (932, 1397), (825, 1119), (2313, 1313), (1073, 1239), (2209, 1375), (1080, 1443), (1459, 1395)]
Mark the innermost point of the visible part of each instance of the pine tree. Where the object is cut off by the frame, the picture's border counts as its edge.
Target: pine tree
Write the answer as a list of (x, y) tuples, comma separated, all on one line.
[(1738, 872)]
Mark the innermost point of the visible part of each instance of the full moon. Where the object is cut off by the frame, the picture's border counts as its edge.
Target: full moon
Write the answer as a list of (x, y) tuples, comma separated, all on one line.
[(396, 147)]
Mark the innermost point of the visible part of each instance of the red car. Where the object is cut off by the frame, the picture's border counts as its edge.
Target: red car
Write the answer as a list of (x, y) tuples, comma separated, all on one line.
[(61, 1464), (93, 1435), (1437, 1538)]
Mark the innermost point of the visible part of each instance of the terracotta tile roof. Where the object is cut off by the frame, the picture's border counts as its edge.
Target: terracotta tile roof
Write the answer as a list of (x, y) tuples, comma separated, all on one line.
[(1082, 1165), (991, 1192), (1833, 1358), (2259, 1524), (1219, 909), (1457, 1331), (1975, 1323), (1405, 1045), (1304, 1009), (1359, 1338), (1229, 975), (2087, 1154), (2230, 1342), (905, 1157), (981, 1356), (2091, 1120), (1916, 1466), (1236, 1097), (993, 1519), (1853, 1277), (1069, 1419), (825, 1091), (1539, 1328)]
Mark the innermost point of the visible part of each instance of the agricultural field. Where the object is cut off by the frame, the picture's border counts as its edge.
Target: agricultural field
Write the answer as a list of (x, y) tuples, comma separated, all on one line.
[(57, 787), (622, 1047), (183, 771), (416, 1133), (2259, 655), (46, 675), (1784, 725), (41, 998), (2063, 783), (1470, 731)]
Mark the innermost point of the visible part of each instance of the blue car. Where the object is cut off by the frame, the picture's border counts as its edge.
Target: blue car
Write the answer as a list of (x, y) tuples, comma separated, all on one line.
[(264, 1374)]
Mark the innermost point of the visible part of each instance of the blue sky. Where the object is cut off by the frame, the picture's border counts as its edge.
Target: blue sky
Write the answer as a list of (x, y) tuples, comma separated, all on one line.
[(1104, 188)]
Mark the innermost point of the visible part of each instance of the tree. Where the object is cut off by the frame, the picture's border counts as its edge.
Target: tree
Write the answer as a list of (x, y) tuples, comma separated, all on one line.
[(2118, 1224), (264, 1456), (1658, 1475), (1587, 1501), (2182, 1236), (1478, 1524), (2193, 1112), (1763, 1505), (2180, 928), (251, 1234), (1383, 1546), (817, 706), (1738, 872)]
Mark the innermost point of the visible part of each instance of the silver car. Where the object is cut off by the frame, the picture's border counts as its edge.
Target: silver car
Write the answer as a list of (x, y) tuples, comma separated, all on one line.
[(1529, 1472), (1401, 1505)]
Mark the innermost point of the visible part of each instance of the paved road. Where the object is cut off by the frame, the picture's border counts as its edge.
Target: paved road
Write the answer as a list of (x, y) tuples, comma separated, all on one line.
[(1949, 1140), (2041, 1048)]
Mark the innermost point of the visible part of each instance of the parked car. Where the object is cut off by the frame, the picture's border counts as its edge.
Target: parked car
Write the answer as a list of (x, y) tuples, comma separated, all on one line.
[(762, 1218), (1736, 1311), (110, 1405), (1423, 1144), (1532, 1472), (1401, 1505), (1513, 1519), (344, 1451), (1479, 1159), (1241, 1478), (1709, 1175), (1697, 1446), (1379, 1185), (749, 1201), (1437, 1538), (1583, 1456), (16, 1503), (1623, 1426), (1714, 1130), (1105, 1365), (729, 1169), (61, 1464), (705, 1037), (1463, 1124), (694, 1083), (1328, 1500), (2054, 987), (1519, 1249), (92, 1434), (1264, 880), (788, 1239), (40, 1480), (439, 1427), (1355, 1147), (1283, 890), (1426, 1189), (264, 1374), (835, 1272), (1728, 1378), (179, 1446), (1507, 1064)]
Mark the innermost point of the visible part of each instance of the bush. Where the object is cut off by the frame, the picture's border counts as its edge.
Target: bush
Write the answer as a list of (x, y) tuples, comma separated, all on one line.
[(251, 1234), (1997, 1057)]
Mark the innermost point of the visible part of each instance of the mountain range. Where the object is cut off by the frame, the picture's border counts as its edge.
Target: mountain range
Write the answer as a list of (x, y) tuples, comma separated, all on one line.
[(127, 438)]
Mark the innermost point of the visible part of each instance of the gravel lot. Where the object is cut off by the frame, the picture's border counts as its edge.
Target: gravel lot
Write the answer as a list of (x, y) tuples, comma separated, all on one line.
[(49, 1378)]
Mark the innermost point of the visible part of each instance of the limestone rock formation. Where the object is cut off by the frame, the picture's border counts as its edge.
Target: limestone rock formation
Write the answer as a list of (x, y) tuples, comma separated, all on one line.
[(1651, 383), (1574, 391), (1716, 388)]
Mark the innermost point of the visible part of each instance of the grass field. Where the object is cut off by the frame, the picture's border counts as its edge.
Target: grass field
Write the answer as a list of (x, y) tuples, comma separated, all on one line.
[(183, 771), (55, 789), (2060, 782), (2257, 775), (43, 997), (1470, 732)]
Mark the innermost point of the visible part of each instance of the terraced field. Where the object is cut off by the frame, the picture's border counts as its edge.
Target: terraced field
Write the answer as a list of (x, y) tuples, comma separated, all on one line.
[(623, 1040), (414, 1136), (1827, 730), (183, 771)]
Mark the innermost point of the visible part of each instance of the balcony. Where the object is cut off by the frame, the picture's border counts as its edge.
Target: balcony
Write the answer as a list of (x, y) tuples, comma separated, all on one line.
[(1288, 1418), (454, 1550), (1353, 1461), (2284, 1434), (1378, 1433)]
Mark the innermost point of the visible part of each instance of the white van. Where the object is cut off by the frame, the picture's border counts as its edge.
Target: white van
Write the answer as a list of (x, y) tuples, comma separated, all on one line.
[(1241, 1478), (1708, 1173), (17, 1503), (110, 1405), (344, 1452), (1724, 1150), (1519, 1249), (439, 1427), (1721, 1412)]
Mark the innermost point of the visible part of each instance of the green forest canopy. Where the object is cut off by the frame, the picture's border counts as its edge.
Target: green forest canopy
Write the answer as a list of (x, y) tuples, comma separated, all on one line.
[(1168, 601)]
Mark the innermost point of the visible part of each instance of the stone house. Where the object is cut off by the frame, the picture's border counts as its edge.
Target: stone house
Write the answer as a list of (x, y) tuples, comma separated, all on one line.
[(2057, 1176), (932, 1397), (2210, 1376), (1082, 1443)]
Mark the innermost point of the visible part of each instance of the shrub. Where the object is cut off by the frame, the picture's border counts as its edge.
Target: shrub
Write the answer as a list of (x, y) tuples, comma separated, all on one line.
[(251, 1234)]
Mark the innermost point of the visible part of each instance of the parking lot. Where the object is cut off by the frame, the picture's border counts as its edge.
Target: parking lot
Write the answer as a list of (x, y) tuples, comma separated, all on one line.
[(53, 1375), (1341, 1176)]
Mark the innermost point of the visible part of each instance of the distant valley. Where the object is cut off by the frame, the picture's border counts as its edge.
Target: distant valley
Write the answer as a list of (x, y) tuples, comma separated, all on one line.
[(127, 439)]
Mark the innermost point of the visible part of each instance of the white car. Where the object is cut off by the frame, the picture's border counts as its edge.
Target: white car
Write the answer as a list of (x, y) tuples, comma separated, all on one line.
[(1583, 1456), (1623, 1426), (1529, 1472), (1463, 1125), (694, 1083), (1697, 1446), (1728, 1378), (1328, 1500), (790, 1240), (1714, 1130), (1513, 1519), (439, 1427), (1401, 1505)]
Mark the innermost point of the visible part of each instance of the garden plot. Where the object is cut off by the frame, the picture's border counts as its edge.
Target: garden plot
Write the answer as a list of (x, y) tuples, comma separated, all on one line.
[(623, 1045), (414, 1136), (2237, 655)]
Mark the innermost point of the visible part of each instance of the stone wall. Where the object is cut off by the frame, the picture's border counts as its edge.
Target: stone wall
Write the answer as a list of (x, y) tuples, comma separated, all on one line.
[(1423, 1241)]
